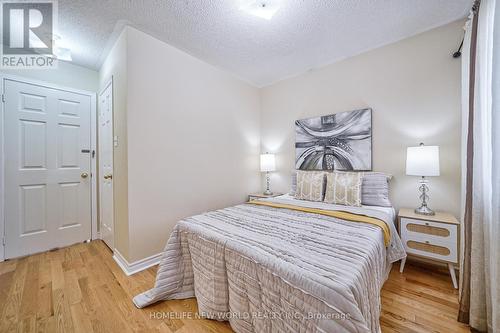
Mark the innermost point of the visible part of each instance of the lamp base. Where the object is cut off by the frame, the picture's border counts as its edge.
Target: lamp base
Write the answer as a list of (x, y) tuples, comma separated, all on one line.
[(268, 182), (424, 210)]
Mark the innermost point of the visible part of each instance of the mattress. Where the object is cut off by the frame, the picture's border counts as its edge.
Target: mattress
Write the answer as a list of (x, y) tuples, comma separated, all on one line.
[(390, 211), (271, 269)]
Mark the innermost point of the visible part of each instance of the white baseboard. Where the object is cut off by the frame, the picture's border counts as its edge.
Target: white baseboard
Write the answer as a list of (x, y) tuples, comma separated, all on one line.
[(136, 266)]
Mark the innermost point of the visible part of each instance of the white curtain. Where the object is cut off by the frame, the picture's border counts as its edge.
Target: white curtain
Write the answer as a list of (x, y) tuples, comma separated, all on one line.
[(485, 238)]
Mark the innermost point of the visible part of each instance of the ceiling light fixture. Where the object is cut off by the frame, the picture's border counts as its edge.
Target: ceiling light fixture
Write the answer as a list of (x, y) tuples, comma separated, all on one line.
[(62, 53), (262, 9), (58, 51)]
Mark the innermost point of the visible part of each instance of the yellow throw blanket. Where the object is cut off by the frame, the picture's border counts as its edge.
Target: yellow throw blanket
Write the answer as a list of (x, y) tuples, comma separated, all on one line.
[(333, 213)]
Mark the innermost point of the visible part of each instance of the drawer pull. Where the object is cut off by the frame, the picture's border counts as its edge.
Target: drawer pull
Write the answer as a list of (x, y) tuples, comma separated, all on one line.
[(426, 247), (428, 230), (426, 223)]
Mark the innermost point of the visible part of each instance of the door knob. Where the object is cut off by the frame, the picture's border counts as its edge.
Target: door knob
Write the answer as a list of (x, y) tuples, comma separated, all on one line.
[(84, 175), (108, 177)]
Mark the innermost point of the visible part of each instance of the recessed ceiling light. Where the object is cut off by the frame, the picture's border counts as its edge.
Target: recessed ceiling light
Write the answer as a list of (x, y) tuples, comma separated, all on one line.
[(264, 8)]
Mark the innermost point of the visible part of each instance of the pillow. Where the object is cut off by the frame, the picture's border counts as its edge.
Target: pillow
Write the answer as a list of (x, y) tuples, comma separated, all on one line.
[(386, 175), (343, 188), (310, 185), (293, 188), (375, 189)]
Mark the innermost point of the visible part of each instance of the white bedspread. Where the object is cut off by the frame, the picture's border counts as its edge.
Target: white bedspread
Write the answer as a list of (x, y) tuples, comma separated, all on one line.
[(289, 199), (271, 269)]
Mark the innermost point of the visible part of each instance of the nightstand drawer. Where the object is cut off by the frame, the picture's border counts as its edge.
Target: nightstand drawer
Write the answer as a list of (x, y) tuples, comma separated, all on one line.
[(419, 230), (430, 239)]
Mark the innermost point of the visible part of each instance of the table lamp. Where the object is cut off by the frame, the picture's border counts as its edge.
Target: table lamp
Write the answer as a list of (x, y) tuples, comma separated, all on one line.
[(267, 164), (423, 161)]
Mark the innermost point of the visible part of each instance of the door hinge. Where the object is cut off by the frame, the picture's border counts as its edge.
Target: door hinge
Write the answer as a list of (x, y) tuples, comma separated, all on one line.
[(3, 241), (3, 98)]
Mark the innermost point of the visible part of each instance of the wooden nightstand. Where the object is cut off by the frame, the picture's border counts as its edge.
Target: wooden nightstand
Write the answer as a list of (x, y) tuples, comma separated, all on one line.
[(255, 196), (431, 237)]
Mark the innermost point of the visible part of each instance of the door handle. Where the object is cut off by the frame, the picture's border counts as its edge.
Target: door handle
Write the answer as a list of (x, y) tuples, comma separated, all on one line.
[(108, 177), (84, 175)]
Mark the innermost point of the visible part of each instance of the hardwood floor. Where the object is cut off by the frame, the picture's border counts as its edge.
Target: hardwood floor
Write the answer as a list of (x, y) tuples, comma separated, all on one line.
[(81, 289)]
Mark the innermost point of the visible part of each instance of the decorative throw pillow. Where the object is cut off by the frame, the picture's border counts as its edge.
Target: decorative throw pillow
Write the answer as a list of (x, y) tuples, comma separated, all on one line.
[(310, 185), (343, 188), (293, 188), (375, 189)]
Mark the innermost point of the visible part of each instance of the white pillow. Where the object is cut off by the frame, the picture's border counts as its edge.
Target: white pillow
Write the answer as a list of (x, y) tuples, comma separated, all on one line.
[(294, 183)]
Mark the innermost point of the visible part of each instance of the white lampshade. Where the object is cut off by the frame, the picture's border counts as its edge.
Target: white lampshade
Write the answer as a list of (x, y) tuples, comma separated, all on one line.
[(422, 161), (267, 162)]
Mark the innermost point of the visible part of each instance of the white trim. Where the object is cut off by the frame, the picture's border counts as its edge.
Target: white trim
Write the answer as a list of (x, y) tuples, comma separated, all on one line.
[(93, 163), (2, 226), (108, 83), (93, 139), (23, 79), (136, 266)]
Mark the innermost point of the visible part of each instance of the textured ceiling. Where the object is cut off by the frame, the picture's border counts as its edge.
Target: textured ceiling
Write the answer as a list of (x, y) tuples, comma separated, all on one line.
[(302, 35)]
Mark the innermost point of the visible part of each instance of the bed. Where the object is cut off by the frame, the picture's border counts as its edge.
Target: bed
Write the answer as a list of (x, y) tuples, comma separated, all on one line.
[(282, 265)]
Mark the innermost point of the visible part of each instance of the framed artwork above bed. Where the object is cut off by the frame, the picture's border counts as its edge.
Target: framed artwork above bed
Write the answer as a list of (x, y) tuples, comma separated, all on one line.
[(340, 141)]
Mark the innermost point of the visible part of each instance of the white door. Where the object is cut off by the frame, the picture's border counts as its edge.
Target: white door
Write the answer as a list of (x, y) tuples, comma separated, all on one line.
[(105, 155), (47, 168)]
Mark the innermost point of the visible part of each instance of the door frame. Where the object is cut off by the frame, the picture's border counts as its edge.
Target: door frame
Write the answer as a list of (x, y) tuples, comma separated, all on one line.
[(102, 90), (93, 159)]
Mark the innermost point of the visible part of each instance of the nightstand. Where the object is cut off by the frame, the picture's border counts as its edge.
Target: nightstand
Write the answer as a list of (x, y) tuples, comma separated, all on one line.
[(255, 196), (434, 237)]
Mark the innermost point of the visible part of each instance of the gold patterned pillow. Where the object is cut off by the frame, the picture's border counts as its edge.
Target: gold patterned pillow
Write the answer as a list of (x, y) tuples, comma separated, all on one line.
[(310, 185), (343, 188)]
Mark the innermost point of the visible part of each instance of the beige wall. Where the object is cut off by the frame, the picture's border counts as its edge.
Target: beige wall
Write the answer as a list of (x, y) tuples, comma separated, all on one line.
[(193, 140), (190, 134), (66, 75), (115, 66), (413, 87)]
